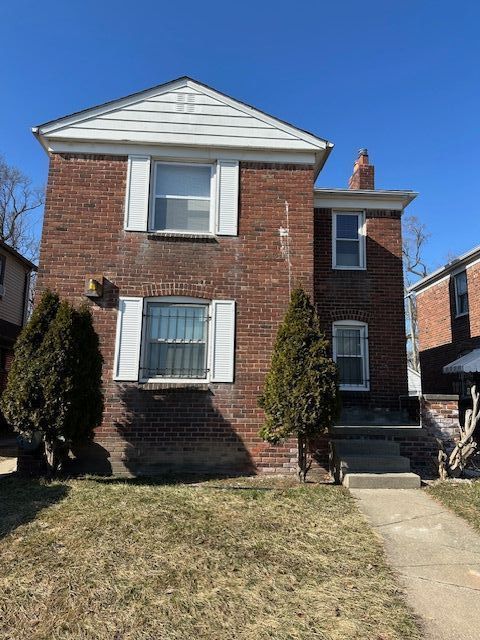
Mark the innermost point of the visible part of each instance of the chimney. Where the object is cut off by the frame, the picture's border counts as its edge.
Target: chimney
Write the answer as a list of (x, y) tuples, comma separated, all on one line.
[(363, 176)]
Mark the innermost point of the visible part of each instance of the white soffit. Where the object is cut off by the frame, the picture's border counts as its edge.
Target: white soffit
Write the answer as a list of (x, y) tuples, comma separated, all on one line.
[(182, 112), (362, 199)]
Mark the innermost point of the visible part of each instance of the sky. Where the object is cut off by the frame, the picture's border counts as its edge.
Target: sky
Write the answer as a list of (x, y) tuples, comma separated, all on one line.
[(400, 77)]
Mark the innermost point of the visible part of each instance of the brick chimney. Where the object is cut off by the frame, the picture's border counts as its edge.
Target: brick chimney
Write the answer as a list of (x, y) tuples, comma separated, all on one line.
[(363, 176)]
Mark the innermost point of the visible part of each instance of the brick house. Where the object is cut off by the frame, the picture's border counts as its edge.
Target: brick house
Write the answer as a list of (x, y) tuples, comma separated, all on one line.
[(448, 304), (15, 273), (185, 216)]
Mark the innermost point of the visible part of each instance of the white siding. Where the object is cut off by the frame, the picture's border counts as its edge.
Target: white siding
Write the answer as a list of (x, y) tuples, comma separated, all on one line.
[(183, 116), (11, 303)]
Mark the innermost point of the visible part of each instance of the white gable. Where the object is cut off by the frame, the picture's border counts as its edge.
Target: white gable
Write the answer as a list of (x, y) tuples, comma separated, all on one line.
[(182, 112)]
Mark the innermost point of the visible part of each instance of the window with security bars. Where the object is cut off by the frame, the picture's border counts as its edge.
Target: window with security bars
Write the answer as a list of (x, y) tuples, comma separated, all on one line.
[(176, 341), (182, 197), (350, 350), (461, 294), (348, 241)]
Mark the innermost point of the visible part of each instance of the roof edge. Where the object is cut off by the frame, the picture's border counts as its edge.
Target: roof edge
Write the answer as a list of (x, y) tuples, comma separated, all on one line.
[(181, 81), (463, 260), (6, 247)]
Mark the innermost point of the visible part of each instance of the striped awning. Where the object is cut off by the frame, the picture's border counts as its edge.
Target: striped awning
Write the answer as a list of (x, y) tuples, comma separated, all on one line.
[(469, 363)]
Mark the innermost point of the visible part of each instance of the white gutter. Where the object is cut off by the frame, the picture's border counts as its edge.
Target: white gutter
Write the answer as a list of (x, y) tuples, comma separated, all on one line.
[(456, 263)]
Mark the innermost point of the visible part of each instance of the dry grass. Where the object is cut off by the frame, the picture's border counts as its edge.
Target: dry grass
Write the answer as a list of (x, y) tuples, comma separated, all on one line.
[(461, 497), (103, 560)]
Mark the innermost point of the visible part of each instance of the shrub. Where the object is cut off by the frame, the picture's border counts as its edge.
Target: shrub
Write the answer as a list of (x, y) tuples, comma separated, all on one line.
[(300, 396), (22, 401), (59, 366)]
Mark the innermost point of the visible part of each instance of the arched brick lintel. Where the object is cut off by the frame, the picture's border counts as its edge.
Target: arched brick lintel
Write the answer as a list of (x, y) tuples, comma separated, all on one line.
[(350, 314), (188, 289)]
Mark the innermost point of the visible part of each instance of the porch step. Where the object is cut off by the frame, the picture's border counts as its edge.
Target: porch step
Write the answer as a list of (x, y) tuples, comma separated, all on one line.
[(355, 447), (373, 464), (8, 447), (382, 481)]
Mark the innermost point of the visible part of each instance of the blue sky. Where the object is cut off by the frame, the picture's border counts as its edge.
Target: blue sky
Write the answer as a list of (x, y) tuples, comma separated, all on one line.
[(398, 77)]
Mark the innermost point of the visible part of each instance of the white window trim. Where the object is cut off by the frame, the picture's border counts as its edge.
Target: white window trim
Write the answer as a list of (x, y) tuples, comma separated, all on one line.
[(364, 348), (361, 239), (464, 313), (213, 199), (178, 300)]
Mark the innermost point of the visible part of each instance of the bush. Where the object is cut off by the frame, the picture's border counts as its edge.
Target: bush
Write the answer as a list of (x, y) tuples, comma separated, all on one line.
[(22, 401), (58, 367), (300, 396)]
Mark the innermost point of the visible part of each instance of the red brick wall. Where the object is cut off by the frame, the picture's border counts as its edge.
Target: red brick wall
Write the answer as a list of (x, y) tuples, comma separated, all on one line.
[(434, 316), (374, 296), (473, 279), (216, 428), (442, 336)]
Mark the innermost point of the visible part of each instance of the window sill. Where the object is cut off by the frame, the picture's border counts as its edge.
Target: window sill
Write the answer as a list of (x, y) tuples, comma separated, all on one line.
[(172, 386), (351, 388), (338, 268), (178, 236)]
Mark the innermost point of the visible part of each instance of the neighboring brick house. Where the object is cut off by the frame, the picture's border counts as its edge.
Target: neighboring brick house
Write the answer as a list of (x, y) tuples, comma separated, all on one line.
[(448, 304), (15, 273), (185, 216)]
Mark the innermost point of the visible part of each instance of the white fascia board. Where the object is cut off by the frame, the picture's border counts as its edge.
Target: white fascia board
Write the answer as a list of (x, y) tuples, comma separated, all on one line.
[(182, 153), (55, 125), (112, 105), (362, 199), (427, 286), (465, 261)]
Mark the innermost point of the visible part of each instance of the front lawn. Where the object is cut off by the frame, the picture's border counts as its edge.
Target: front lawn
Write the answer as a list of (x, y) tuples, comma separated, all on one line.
[(236, 560), (461, 497)]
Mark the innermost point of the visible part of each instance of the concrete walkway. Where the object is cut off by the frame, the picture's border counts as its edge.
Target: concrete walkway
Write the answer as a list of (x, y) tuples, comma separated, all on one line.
[(7, 465), (437, 555)]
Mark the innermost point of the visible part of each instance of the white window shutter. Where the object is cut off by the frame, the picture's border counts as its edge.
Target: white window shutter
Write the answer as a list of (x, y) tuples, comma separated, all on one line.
[(223, 340), (129, 335), (227, 206), (137, 196)]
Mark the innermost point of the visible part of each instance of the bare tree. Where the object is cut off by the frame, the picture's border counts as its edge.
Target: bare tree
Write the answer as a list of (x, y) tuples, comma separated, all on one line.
[(18, 199), (466, 447), (415, 236)]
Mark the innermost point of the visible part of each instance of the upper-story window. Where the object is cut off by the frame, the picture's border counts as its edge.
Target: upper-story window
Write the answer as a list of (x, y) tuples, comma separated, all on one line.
[(461, 293), (348, 240), (183, 198)]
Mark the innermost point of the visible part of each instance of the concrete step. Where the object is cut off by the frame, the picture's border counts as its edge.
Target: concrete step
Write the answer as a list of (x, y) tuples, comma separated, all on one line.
[(373, 464), (365, 447), (382, 481), (8, 447)]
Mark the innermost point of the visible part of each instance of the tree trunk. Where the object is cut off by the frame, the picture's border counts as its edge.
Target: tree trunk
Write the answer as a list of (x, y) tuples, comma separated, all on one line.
[(56, 453), (304, 459)]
